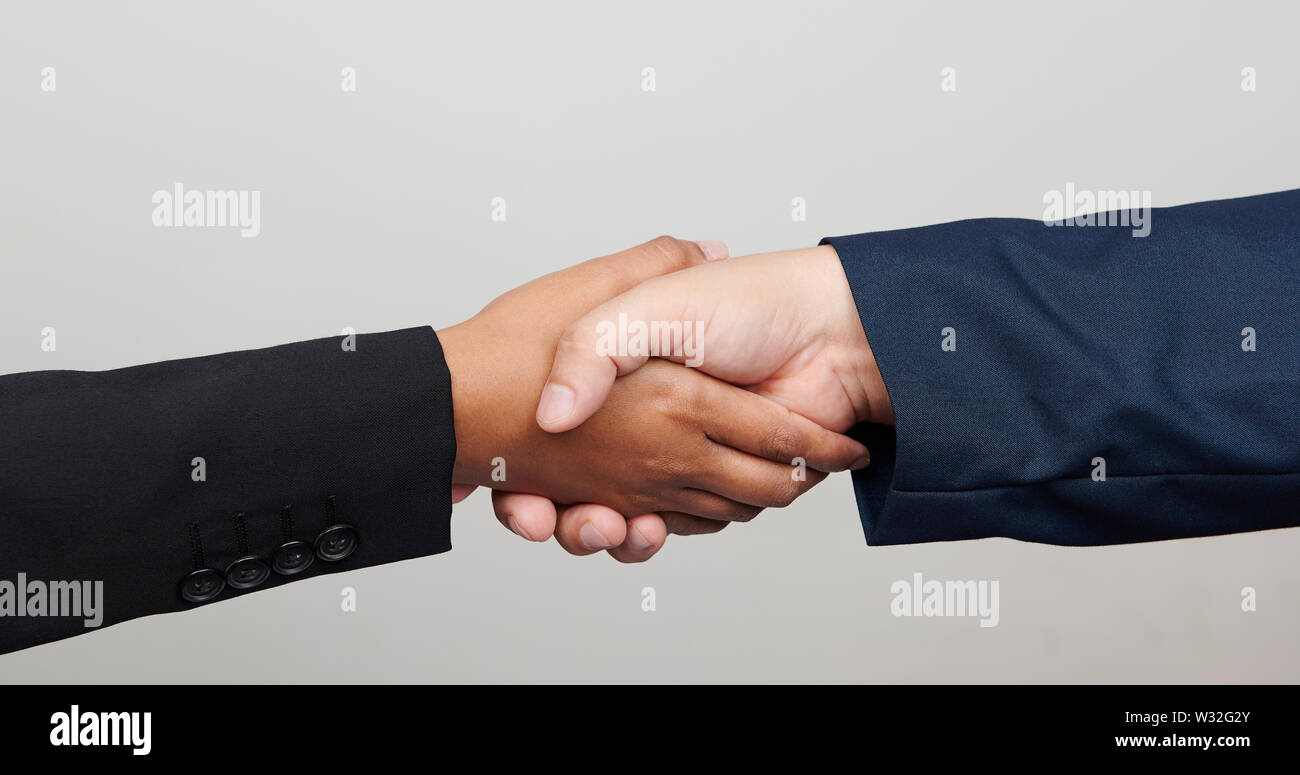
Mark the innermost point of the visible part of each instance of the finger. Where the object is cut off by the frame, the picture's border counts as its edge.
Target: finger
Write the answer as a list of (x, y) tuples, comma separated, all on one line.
[(460, 492), (581, 375), (588, 528), (754, 481), (593, 352), (710, 505), (680, 524), (646, 535), (754, 424), (621, 272), (527, 516)]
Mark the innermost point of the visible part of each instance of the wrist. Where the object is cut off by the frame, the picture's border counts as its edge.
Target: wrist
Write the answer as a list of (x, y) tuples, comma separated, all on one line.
[(852, 359), (462, 348)]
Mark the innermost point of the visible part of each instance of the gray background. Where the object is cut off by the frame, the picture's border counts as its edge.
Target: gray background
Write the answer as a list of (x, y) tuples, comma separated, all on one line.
[(375, 214)]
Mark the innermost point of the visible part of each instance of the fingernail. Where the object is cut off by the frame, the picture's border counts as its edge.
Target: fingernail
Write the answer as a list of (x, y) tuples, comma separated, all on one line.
[(591, 538), (556, 403), (861, 463), (637, 540), (514, 527), (713, 249)]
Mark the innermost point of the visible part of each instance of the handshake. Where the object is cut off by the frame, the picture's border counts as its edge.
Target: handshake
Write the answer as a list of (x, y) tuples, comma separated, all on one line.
[(660, 390)]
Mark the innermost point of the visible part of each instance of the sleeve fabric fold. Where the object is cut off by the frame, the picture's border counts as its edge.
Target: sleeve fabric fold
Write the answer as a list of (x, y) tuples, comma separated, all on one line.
[(1070, 348), (100, 477)]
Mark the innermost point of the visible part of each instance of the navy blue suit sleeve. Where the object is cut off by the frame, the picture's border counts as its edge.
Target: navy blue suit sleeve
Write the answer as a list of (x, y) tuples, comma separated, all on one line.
[(1074, 347)]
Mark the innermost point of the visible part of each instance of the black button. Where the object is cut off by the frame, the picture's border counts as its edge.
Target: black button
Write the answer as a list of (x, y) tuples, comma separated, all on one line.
[(336, 542), (247, 572), (292, 557), (202, 585)]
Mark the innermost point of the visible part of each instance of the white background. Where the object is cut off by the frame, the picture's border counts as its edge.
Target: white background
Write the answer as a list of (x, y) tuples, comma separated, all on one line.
[(375, 214)]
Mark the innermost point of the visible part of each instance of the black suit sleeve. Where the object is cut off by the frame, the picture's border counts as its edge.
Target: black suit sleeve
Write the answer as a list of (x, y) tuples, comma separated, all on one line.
[(175, 484)]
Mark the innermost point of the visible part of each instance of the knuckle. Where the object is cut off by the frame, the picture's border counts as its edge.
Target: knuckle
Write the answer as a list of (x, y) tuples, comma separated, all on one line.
[(637, 503), (781, 444), (784, 492), (671, 249), (576, 336), (670, 467), (695, 395), (668, 397), (686, 525)]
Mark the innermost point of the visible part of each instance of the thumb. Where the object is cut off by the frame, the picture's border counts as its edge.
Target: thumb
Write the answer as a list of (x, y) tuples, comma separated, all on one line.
[(600, 347)]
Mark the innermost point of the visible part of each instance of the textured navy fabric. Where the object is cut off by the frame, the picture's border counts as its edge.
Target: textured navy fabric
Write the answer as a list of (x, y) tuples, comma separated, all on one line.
[(1083, 342), (95, 468)]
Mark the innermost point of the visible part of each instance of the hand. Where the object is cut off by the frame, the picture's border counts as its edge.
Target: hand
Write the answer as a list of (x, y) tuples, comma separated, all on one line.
[(783, 324), (671, 441)]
